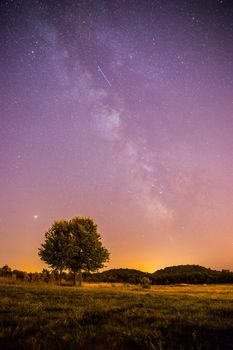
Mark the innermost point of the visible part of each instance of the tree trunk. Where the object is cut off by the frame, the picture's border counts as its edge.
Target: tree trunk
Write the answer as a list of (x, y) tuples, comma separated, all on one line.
[(75, 278), (80, 279), (60, 277)]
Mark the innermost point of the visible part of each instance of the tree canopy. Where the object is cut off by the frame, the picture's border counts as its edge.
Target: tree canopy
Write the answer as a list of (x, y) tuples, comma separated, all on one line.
[(75, 245)]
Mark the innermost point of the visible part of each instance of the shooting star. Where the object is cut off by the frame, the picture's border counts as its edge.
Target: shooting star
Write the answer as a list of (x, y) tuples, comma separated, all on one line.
[(104, 76)]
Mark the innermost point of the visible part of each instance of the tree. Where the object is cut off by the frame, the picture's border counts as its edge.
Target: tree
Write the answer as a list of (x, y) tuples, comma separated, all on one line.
[(74, 245), (6, 271), (45, 275)]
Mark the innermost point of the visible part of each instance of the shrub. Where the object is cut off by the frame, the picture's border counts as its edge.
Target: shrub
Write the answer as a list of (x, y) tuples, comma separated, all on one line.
[(146, 283)]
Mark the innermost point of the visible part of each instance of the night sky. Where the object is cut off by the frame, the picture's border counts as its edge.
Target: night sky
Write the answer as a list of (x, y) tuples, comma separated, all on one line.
[(121, 111)]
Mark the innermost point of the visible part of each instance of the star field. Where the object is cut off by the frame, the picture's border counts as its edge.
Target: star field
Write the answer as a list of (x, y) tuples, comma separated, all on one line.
[(122, 111)]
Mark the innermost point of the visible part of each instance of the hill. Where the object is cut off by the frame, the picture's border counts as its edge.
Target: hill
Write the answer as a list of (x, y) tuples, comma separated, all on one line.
[(193, 274), (131, 276)]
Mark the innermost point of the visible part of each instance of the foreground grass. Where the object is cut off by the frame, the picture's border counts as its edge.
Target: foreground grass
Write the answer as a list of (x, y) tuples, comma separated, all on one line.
[(116, 317)]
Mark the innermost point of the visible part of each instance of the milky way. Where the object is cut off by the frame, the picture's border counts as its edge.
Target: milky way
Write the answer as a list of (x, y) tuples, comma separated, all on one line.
[(122, 111)]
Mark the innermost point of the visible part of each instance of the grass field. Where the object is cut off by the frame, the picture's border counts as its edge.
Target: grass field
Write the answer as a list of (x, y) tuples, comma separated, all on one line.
[(105, 316)]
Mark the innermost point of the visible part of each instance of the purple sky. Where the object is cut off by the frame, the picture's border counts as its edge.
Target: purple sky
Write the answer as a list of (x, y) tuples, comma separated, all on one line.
[(121, 111)]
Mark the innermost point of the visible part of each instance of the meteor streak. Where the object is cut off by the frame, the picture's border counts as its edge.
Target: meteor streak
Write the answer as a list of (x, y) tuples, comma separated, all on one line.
[(104, 76)]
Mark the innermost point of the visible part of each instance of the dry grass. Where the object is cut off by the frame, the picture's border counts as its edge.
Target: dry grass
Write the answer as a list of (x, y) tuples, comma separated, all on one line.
[(116, 316)]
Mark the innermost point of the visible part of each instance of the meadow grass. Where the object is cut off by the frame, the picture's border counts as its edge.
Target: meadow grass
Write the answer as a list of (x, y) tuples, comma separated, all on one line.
[(115, 316)]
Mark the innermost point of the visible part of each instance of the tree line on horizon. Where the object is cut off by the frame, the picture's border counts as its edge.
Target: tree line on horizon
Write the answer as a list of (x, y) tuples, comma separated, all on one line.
[(73, 248), (189, 274)]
